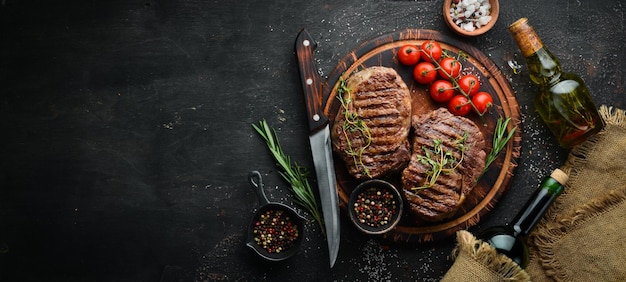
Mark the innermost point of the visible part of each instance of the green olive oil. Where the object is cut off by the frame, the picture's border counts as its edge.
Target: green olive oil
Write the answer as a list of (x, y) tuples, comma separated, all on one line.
[(562, 100)]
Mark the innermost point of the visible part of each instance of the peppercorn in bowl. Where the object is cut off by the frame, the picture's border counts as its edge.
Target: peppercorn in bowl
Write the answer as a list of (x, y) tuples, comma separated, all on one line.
[(375, 206), (275, 232)]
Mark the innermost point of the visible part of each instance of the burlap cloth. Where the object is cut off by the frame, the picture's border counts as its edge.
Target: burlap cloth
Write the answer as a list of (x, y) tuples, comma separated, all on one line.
[(582, 236)]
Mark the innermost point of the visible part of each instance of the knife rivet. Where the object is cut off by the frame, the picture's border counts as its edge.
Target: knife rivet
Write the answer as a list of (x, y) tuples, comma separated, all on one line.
[(306, 42), (309, 81), (316, 117)]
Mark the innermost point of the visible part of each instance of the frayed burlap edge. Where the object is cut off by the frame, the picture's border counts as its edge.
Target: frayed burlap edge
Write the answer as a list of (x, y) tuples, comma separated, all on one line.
[(613, 116), (564, 223), (486, 255), (544, 239)]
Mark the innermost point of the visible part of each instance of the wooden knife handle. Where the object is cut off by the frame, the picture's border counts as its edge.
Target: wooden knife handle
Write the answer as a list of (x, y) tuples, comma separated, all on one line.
[(311, 81)]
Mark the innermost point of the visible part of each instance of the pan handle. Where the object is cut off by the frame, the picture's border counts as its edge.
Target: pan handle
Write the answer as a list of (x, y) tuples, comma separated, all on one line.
[(257, 184)]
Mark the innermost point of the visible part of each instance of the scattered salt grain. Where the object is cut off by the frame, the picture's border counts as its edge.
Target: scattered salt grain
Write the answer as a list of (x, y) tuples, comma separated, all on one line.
[(470, 14)]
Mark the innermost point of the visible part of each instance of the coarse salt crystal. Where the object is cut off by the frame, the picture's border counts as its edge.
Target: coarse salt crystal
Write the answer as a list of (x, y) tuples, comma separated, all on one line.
[(484, 20), (468, 26), (470, 9)]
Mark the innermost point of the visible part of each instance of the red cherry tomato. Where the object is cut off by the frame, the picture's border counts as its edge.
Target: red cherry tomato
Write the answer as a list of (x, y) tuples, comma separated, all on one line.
[(469, 84), (409, 55), (441, 91), (459, 105), (450, 67), (425, 72), (482, 101), (431, 49)]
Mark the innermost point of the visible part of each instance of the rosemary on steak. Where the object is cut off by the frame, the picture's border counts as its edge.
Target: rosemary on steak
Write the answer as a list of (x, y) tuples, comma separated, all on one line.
[(294, 174), (353, 123), (441, 161)]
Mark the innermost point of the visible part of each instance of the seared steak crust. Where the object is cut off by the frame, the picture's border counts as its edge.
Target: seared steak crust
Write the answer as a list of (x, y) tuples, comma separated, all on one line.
[(381, 99), (446, 195)]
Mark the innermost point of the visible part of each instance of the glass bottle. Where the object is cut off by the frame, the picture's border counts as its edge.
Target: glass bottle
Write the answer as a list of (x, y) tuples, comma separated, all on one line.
[(510, 239), (563, 100)]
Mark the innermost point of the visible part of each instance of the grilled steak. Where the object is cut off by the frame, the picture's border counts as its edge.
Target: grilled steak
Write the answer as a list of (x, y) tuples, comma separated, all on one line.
[(370, 131), (462, 146)]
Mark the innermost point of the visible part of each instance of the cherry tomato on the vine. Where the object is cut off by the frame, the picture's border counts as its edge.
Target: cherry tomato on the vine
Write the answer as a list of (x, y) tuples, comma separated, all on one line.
[(469, 84), (482, 101), (450, 67), (441, 91), (431, 49), (459, 105), (409, 55), (425, 72)]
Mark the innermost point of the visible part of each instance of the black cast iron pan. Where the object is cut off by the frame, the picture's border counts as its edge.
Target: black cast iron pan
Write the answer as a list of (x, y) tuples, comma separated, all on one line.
[(288, 215)]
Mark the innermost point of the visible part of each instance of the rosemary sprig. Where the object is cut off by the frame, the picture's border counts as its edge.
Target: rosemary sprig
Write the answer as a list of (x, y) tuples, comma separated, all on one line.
[(294, 174), (500, 138), (440, 160), (353, 123)]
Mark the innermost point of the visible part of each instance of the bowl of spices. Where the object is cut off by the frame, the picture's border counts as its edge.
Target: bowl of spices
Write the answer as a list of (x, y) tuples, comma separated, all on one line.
[(470, 17), (276, 231), (375, 206)]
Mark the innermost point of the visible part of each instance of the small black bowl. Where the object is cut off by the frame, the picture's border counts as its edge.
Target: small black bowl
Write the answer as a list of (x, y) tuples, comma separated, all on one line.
[(273, 210), (384, 213)]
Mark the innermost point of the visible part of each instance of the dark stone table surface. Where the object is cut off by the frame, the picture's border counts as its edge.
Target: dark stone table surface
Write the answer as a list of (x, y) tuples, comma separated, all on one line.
[(127, 133)]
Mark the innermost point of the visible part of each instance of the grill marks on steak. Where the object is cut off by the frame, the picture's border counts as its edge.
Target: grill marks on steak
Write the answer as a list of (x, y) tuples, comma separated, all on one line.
[(381, 99), (446, 195)]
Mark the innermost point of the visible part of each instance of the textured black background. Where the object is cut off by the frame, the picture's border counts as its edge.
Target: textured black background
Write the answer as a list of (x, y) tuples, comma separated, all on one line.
[(126, 137)]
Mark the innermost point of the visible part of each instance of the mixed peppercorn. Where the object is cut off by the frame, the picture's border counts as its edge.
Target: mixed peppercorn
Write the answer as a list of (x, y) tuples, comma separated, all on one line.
[(274, 231), (375, 207)]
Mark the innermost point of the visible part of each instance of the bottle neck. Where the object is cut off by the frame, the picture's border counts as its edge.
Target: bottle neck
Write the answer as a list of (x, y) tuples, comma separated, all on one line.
[(543, 67), (536, 207), (526, 37)]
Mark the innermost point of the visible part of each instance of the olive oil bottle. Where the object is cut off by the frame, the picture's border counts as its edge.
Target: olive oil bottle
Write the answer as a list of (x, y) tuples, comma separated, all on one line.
[(510, 239), (563, 100)]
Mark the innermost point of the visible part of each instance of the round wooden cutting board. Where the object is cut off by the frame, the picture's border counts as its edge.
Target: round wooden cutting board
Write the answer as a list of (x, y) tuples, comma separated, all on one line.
[(382, 51)]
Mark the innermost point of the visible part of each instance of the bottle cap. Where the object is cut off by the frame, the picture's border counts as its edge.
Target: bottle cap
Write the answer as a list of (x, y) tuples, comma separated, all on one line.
[(560, 176), (519, 22), (527, 39)]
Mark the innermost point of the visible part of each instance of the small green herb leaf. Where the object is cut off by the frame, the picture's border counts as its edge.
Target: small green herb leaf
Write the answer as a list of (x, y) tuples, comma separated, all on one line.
[(440, 160)]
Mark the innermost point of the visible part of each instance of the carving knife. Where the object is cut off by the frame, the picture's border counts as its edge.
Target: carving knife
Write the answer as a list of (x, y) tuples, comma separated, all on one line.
[(319, 138)]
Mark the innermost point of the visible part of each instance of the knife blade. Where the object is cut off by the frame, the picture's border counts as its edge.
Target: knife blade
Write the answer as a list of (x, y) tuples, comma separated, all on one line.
[(319, 138)]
